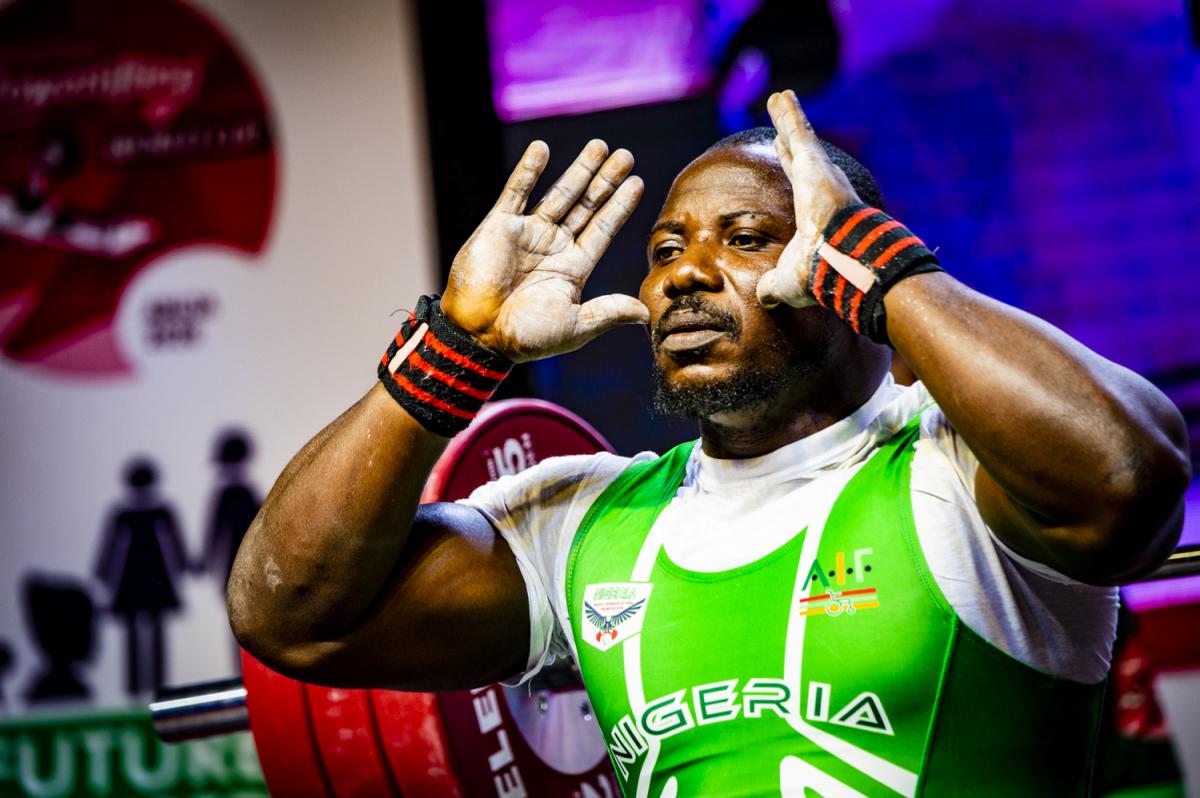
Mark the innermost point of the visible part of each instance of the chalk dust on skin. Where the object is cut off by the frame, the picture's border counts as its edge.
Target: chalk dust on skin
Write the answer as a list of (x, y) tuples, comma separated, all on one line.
[(273, 574)]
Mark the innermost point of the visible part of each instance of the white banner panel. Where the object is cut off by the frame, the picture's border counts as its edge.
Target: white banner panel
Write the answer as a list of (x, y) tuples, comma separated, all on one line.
[(160, 426)]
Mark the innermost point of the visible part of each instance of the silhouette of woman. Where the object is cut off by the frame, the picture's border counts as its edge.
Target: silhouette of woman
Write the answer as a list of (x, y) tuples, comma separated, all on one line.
[(140, 559)]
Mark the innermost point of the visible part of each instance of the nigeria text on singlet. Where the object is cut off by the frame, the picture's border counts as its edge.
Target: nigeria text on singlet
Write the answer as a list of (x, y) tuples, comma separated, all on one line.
[(832, 664)]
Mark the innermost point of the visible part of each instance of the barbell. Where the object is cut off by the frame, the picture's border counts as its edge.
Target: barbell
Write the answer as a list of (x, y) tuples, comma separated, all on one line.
[(539, 739)]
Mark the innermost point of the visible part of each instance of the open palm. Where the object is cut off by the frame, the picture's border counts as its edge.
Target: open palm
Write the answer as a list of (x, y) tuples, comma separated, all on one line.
[(516, 284)]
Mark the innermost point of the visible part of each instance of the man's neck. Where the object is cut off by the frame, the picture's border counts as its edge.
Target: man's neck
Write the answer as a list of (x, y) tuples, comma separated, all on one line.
[(798, 413)]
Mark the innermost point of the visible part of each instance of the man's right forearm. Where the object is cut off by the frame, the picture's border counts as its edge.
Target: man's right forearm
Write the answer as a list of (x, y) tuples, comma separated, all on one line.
[(331, 531), (317, 588)]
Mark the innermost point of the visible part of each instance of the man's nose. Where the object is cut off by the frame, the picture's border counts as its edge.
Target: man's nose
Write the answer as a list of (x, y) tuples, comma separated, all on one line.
[(694, 270)]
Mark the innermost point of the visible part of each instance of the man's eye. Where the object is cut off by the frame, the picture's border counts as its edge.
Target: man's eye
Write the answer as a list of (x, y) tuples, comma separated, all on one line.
[(745, 240), (666, 251)]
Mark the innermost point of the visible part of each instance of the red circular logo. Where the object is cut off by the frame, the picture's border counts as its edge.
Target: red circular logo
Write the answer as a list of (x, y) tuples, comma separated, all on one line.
[(128, 129)]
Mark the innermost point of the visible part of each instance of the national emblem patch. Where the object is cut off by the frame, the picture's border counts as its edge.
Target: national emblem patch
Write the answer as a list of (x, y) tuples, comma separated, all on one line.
[(613, 612)]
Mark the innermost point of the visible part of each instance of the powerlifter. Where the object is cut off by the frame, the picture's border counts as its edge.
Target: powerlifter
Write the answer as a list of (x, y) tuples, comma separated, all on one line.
[(848, 587)]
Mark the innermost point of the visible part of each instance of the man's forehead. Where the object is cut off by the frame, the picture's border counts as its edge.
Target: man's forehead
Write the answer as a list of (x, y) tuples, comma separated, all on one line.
[(741, 175)]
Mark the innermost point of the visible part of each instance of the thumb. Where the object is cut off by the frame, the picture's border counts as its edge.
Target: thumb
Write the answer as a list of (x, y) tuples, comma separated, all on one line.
[(769, 292), (782, 286), (601, 314)]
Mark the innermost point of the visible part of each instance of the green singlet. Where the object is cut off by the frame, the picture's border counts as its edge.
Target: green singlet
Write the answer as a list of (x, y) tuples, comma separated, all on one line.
[(831, 667)]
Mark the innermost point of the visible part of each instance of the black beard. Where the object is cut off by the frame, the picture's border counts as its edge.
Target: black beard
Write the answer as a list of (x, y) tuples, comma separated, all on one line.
[(745, 389)]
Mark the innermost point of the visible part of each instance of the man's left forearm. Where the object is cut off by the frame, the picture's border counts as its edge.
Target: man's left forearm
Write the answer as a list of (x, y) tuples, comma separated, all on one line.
[(1092, 457)]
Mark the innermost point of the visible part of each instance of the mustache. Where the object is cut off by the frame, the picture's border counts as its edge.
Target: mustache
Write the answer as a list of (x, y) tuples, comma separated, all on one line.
[(694, 305)]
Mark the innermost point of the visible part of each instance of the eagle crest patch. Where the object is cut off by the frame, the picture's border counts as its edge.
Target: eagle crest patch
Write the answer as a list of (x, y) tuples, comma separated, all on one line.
[(613, 612)]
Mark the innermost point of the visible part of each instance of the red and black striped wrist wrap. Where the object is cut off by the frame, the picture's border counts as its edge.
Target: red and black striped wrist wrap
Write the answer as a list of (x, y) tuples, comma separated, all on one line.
[(447, 377), (890, 252)]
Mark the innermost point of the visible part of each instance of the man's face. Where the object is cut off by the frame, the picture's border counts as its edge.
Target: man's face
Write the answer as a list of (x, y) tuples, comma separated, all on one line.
[(726, 220)]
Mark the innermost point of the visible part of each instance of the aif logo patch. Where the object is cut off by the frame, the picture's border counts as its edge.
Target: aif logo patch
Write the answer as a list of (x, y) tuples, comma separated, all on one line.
[(835, 600), (614, 612)]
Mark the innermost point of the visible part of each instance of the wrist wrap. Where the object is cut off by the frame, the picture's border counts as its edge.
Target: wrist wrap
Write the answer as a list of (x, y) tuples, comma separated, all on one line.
[(437, 372), (871, 252)]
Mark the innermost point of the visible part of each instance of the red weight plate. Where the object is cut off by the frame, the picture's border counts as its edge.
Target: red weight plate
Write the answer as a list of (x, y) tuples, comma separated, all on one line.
[(1169, 636), (510, 740), (508, 437), (283, 733), (498, 740), (415, 743), (349, 743)]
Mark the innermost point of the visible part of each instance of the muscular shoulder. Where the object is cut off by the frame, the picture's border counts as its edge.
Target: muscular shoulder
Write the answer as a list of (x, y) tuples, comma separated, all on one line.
[(537, 512), (549, 488), (1025, 609)]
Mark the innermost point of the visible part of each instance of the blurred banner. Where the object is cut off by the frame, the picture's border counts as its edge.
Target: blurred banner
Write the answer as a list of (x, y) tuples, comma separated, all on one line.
[(584, 56), (117, 754), (208, 212)]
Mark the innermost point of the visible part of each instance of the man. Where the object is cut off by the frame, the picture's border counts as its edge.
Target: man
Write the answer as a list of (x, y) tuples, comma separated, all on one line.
[(845, 587)]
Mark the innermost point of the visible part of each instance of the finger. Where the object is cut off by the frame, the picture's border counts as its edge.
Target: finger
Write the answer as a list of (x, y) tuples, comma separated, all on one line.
[(767, 294), (781, 286), (603, 227), (784, 155), (611, 174), (601, 314), (523, 178), (790, 121), (567, 189)]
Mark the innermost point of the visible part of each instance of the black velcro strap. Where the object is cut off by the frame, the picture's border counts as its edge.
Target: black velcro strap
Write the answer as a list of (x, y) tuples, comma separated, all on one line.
[(887, 248), (447, 378)]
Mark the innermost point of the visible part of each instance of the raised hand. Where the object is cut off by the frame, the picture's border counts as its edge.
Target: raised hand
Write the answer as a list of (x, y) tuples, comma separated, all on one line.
[(516, 284), (819, 189)]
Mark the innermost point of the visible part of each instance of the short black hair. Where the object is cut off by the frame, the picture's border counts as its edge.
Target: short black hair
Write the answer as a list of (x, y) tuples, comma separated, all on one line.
[(860, 178)]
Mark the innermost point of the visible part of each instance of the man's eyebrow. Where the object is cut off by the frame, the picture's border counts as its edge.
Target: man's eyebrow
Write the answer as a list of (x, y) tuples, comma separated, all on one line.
[(672, 226), (730, 218), (667, 226)]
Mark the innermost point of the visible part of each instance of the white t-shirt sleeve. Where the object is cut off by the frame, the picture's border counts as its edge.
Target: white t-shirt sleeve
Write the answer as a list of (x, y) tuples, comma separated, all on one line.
[(936, 429), (537, 513), (1027, 609)]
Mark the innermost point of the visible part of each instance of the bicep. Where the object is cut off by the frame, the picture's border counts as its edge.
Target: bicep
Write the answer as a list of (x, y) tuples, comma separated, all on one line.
[(1084, 552), (1079, 550), (454, 613), (1014, 526)]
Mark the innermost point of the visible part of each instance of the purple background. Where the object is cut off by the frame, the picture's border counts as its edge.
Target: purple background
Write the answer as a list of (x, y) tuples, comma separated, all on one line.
[(1050, 150)]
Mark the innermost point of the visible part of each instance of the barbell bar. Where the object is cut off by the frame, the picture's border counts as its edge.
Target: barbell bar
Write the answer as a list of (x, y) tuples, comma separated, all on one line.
[(320, 742)]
